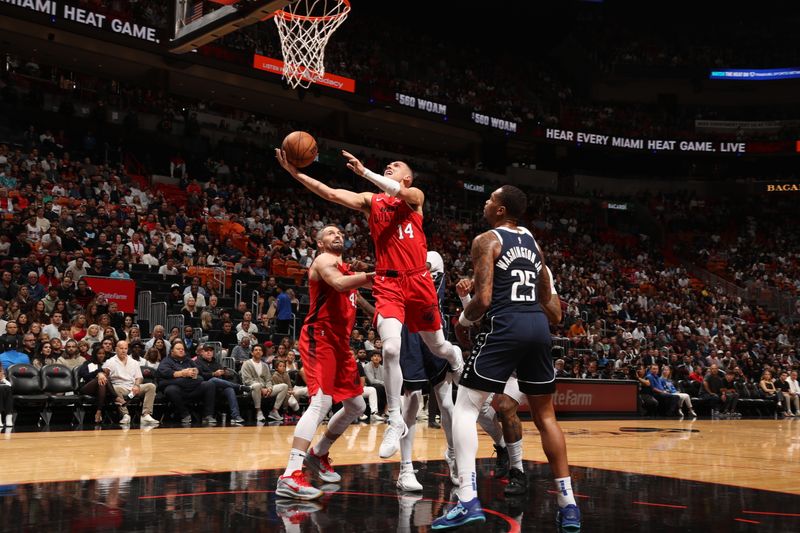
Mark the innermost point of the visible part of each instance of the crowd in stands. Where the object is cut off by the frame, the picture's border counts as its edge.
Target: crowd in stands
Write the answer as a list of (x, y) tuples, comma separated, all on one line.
[(65, 216), (751, 244)]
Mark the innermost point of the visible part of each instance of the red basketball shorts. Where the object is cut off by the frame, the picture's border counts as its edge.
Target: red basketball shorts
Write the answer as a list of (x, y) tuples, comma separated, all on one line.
[(410, 298), (328, 364)]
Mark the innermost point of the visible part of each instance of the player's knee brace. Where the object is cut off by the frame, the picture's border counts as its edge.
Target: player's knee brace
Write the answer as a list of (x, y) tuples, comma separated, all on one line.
[(391, 348), (354, 406), (320, 404), (318, 407)]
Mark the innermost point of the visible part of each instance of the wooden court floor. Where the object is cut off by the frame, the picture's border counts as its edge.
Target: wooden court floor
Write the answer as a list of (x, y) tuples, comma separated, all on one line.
[(757, 454)]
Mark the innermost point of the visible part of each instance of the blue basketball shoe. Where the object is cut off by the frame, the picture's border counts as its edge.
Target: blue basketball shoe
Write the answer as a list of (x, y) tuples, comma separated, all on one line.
[(460, 515), (568, 518)]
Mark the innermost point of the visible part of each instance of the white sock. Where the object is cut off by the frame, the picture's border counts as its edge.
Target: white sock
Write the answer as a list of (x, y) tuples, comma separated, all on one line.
[(9, 421), (323, 445), (515, 454), (406, 466), (465, 437), (467, 485), (565, 494), (296, 458)]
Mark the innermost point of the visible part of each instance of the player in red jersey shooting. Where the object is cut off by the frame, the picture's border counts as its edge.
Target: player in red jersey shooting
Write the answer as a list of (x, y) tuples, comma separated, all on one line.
[(403, 289), (331, 372)]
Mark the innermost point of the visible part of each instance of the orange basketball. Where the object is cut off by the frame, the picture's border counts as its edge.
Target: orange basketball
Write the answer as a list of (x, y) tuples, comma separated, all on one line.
[(300, 148)]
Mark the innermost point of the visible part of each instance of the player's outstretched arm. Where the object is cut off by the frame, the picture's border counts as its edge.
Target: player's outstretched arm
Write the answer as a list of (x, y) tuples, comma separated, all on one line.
[(328, 271), (485, 249), (354, 200), (410, 195)]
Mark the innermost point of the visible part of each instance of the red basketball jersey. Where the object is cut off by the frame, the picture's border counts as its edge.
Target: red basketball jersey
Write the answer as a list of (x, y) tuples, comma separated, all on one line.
[(334, 310), (397, 233)]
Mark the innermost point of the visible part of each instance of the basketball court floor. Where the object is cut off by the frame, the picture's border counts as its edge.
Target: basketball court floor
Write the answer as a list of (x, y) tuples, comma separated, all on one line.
[(630, 475)]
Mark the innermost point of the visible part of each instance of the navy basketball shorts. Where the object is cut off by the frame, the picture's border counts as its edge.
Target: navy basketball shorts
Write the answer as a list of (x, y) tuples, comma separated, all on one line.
[(418, 364), (515, 342)]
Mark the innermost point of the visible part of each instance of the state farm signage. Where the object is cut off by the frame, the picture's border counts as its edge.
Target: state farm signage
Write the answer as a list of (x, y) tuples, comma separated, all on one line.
[(596, 396), (120, 291)]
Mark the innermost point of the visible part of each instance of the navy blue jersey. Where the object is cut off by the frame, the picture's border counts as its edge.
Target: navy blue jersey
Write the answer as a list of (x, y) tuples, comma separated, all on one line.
[(516, 272)]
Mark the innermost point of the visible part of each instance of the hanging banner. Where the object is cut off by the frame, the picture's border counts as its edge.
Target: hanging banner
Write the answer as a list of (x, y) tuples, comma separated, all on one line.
[(651, 145), (275, 66), (60, 10), (121, 291)]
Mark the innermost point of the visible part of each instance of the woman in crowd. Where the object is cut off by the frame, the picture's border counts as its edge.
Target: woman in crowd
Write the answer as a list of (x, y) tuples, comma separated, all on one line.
[(282, 376), (161, 346), (84, 349), (112, 333), (13, 310), (45, 356), (49, 278), (107, 345), (94, 382), (768, 390), (206, 321), (683, 398), (190, 312), (61, 307), (135, 334), (92, 313), (22, 323), (77, 329), (23, 299), (151, 359), (38, 313), (125, 331), (93, 334)]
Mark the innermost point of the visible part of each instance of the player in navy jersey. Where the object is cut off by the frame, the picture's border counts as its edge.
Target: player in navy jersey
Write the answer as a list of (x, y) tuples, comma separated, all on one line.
[(501, 409), (511, 285)]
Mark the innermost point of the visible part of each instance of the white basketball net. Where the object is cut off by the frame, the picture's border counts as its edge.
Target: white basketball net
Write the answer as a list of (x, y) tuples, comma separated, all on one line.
[(304, 27)]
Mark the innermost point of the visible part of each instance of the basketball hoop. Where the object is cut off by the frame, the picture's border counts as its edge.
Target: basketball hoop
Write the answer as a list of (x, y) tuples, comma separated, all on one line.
[(304, 27)]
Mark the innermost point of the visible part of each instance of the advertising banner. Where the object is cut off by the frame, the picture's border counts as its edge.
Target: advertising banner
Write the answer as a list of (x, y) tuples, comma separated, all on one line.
[(756, 74), (651, 145), (62, 10), (275, 66), (595, 396), (121, 291)]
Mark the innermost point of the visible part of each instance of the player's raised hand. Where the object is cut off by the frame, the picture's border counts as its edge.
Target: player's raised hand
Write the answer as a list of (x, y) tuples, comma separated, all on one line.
[(464, 287), (280, 155), (353, 163)]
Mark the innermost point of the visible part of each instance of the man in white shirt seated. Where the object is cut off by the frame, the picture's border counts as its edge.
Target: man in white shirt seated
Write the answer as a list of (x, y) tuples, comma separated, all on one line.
[(126, 377)]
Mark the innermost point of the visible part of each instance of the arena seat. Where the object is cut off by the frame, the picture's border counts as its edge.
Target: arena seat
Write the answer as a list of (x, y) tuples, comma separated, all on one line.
[(746, 401), (26, 386), (59, 384)]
